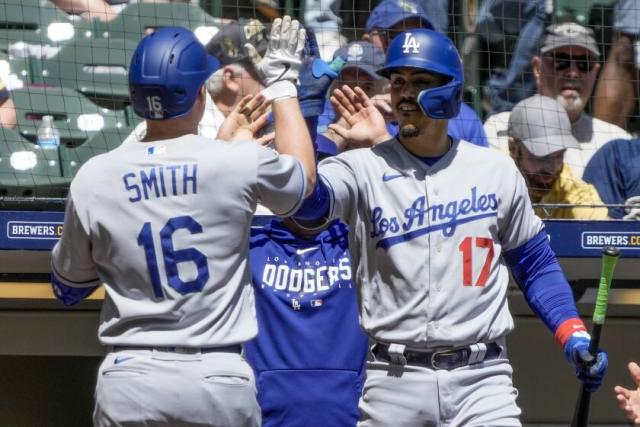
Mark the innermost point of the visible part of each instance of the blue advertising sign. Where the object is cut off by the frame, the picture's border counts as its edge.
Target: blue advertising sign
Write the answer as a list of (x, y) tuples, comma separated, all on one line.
[(30, 230), (587, 238), (40, 230)]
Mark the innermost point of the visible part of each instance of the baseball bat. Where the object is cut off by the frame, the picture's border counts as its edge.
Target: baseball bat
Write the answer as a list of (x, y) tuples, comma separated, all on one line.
[(609, 258)]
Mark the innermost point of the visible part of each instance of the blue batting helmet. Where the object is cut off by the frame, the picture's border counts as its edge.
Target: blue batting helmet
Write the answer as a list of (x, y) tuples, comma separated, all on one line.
[(434, 52), (168, 68)]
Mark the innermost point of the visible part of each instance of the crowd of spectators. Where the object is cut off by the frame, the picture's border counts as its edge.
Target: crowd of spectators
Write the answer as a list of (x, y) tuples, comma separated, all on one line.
[(558, 60)]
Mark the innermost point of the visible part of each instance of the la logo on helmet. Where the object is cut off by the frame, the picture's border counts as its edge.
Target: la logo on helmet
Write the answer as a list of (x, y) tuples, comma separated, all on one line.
[(410, 42)]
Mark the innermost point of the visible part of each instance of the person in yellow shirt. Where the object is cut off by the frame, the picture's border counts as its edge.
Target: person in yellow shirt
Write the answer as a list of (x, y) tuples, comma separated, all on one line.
[(539, 134)]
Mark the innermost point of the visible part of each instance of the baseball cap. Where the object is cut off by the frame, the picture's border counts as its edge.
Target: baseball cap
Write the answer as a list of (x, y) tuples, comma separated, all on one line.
[(228, 44), (362, 55), (569, 34), (542, 125), (389, 12)]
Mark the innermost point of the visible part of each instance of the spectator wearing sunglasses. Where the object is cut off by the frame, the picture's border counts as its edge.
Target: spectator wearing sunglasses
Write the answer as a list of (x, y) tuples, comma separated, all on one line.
[(566, 69)]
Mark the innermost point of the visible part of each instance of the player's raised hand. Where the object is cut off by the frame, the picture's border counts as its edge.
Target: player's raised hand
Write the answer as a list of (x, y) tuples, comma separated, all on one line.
[(629, 400), (246, 120), (366, 125), (283, 58)]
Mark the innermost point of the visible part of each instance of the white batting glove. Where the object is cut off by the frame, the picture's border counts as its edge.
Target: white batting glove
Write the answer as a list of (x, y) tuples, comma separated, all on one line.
[(281, 63)]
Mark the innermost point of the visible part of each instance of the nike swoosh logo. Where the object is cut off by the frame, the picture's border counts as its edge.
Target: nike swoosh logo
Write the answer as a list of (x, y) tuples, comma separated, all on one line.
[(286, 68), (302, 251), (121, 359), (386, 177)]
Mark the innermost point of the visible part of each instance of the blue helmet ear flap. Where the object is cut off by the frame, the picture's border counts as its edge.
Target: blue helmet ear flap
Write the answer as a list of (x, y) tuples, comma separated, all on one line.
[(442, 102)]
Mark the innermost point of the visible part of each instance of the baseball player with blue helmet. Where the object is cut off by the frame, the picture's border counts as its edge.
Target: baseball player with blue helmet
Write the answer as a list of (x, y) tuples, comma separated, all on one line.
[(164, 223), (435, 225)]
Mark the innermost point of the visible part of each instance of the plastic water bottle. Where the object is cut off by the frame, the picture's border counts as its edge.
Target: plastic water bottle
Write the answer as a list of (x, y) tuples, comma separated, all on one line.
[(48, 134)]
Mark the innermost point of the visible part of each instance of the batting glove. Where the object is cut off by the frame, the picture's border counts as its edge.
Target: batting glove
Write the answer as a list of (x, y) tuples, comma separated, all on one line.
[(315, 78), (589, 369), (280, 65)]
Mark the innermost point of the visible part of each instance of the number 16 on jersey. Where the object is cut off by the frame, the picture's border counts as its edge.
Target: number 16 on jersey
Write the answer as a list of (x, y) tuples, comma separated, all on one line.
[(172, 257)]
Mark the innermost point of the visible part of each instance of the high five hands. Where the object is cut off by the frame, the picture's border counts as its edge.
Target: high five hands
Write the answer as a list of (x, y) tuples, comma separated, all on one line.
[(246, 120), (361, 124)]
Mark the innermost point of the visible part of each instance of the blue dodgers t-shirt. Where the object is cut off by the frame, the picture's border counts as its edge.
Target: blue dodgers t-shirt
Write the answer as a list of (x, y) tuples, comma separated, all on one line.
[(615, 172), (466, 125), (309, 355)]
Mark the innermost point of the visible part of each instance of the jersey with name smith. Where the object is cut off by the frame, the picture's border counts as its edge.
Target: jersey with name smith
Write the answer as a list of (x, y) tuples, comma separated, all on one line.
[(165, 225)]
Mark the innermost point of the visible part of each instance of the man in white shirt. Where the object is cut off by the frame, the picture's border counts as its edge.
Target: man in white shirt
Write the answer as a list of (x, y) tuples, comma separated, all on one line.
[(236, 77), (566, 70)]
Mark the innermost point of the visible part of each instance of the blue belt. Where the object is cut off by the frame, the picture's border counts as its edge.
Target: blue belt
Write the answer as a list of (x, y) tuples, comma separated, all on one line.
[(237, 348), (438, 359)]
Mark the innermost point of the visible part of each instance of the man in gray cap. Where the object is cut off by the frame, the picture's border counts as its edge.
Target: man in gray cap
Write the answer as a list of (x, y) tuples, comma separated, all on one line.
[(363, 59), (539, 134), (566, 69)]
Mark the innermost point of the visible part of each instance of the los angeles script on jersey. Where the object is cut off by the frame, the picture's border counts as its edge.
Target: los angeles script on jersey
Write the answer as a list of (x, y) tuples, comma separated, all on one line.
[(445, 217), (161, 181)]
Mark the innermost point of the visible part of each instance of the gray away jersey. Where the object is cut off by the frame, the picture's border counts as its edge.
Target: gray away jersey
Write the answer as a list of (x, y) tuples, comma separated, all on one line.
[(165, 226), (426, 241)]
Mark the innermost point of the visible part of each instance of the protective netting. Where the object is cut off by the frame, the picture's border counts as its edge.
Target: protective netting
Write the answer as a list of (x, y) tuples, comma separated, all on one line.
[(62, 59)]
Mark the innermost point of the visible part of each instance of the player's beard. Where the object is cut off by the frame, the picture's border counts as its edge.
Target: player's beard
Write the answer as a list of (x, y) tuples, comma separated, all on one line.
[(538, 186), (409, 131)]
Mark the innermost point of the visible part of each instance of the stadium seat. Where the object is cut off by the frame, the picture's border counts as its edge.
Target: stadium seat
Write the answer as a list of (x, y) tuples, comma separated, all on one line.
[(35, 28), (97, 69), (75, 116), (27, 170), (576, 10), (72, 158), (25, 69), (138, 19)]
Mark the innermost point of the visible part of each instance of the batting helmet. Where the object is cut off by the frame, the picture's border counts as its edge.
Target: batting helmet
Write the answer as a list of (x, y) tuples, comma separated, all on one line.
[(431, 51), (168, 68)]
